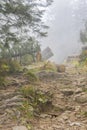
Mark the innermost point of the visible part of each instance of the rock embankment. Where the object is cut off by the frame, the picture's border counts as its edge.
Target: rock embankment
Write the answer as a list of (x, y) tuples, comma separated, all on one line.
[(69, 103)]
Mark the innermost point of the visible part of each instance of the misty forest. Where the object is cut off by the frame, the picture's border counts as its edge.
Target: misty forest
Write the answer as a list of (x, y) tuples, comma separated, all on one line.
[(43, 64)]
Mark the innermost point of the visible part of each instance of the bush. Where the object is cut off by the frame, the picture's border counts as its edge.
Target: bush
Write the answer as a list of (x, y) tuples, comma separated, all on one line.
[(28, 91), (2, 81), (14, 66), (38, 100), (83, 57), (31, 76), (4, 68), (26, 59)]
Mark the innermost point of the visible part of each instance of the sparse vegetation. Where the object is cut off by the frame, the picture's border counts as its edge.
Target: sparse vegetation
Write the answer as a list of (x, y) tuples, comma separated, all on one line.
[(31, 76), (26, 59), (26, 110), (8, 67), (14, 66), (4, 68), (85, 90), (85, 113), (40, 94), (49, 67), (36, 100)]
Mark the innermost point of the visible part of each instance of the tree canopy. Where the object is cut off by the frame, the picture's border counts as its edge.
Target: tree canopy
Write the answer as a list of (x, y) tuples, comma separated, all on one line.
[(21, 25)]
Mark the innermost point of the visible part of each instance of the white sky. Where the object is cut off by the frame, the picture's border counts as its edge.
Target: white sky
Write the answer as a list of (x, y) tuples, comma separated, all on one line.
[(65, 25)]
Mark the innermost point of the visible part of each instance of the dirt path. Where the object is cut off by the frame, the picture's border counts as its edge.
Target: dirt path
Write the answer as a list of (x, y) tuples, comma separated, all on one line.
[(70, 96), (69, 92)]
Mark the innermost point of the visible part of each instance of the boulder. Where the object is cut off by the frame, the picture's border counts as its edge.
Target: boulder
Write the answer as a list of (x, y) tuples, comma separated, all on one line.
[(67, 92), (78, 90), (81, 98), (60, 68), (19, 128)]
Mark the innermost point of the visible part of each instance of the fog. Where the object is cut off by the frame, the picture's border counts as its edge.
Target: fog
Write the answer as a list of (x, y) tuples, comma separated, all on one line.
[(66, 18)]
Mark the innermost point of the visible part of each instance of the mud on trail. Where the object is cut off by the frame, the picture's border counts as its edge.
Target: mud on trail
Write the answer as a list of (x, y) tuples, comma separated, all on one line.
[(68, 109)]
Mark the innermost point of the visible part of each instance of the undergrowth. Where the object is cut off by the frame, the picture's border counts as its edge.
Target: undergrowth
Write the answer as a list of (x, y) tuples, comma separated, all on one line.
[(35, 102), (31, 76)]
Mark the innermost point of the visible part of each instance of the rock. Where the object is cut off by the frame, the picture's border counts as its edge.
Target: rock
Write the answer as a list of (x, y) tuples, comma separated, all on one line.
[(83, 127), (78, 90), (69, 107), (56, 127), (45, 116), (14, 99), (61, 68), (77, 108), (75, 124), (81, 98), (19, 128), (65, 116), (67, 92)]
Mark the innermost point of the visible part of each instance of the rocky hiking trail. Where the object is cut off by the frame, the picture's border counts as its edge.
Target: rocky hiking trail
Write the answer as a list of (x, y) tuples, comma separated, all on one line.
[(69, 102)]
